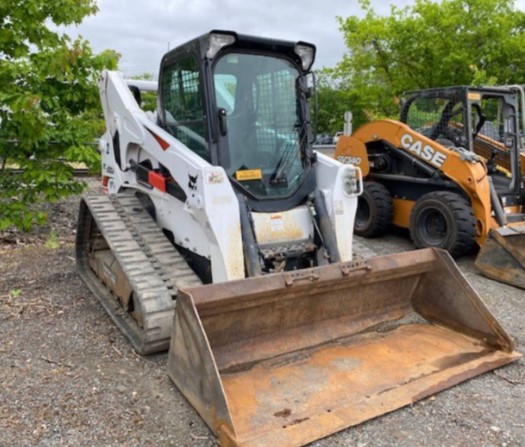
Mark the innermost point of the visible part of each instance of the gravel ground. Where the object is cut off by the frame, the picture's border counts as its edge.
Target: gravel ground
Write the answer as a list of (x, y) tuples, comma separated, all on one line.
[(68, 377)]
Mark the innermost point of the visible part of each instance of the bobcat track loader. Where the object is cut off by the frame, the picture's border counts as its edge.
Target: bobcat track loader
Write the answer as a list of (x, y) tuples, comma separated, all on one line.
[(451, 172), (224, 233)]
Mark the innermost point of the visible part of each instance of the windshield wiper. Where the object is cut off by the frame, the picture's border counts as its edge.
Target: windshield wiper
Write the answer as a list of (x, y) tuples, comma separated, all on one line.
[(279, 177)]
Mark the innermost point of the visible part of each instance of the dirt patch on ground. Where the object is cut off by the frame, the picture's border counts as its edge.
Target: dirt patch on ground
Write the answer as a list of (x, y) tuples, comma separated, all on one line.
[(68, 377), (61, 224)]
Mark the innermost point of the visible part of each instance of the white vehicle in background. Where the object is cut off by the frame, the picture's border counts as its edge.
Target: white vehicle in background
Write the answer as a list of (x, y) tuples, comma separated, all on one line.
[(336, 136)]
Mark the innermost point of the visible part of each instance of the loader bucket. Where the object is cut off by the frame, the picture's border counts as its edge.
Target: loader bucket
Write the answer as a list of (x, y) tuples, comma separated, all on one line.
[(285, 359), (502, 256)]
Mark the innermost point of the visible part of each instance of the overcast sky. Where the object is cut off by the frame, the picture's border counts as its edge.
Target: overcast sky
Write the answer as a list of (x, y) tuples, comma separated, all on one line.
[(143, 30)]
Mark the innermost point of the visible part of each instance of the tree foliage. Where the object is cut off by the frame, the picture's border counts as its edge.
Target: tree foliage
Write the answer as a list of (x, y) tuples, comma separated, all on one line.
[(333, 100), (430, 44), (49, 105)]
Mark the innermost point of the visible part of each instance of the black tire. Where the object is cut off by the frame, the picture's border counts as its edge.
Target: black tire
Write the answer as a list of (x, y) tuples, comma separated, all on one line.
[(445, 220), (374, 211)]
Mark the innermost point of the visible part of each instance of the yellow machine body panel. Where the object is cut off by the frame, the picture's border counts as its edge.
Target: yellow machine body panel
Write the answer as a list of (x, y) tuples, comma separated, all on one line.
[(501, 238), (350, 150), (402, 211), (471, 177)]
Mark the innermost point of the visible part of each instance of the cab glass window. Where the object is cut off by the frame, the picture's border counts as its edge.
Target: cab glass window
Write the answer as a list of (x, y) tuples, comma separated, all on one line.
[(182, 101)]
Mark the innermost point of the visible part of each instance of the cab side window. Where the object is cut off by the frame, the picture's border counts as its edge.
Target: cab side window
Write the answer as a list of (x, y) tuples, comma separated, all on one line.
[(182, 103)]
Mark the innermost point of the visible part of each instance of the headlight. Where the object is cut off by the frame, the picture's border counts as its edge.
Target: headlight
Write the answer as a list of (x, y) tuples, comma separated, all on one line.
[(307, 54), (350, 182), (216, 41)]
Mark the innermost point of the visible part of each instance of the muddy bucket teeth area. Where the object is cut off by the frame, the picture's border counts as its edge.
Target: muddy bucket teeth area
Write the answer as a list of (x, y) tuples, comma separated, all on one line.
[(286, 359)]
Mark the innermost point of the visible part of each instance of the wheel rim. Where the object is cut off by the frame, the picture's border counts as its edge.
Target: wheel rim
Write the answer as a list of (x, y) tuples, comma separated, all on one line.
[(362, 216), (433, 227)]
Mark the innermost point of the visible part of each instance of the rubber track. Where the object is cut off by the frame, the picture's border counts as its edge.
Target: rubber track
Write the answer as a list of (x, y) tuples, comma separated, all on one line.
[(153, 267)]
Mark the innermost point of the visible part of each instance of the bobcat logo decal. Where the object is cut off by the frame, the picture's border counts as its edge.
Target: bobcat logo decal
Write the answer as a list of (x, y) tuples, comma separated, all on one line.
[(192, 182)]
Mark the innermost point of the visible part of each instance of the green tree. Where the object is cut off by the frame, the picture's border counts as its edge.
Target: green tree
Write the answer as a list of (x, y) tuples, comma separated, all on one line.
[(49, 105), (430, 44), (333, 100)]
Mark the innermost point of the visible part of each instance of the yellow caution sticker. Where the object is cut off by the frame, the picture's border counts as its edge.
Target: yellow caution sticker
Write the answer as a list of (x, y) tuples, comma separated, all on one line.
[(248, 174), (474, 96)]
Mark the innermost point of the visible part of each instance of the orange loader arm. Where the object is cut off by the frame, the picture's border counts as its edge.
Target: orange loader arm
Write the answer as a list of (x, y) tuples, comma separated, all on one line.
[(465, 169)]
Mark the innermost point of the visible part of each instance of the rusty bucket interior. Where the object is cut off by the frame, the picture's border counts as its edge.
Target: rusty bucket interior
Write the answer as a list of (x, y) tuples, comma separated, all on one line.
[(285, 359), (502, 256)]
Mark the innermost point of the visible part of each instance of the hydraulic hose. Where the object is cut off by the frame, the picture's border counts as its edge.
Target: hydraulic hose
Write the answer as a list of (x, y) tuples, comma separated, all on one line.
[(249, 244), (325, 225)]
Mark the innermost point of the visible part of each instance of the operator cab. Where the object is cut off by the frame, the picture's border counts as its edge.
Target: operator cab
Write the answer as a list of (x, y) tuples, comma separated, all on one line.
[(257, 91), (480, 120)]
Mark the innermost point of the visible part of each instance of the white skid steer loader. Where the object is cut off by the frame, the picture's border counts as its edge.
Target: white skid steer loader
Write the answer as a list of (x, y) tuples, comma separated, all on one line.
[(224, 233)]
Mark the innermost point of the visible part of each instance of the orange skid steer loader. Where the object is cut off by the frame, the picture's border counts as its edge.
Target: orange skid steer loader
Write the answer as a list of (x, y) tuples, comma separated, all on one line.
[(224, 237), (452, 172)]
